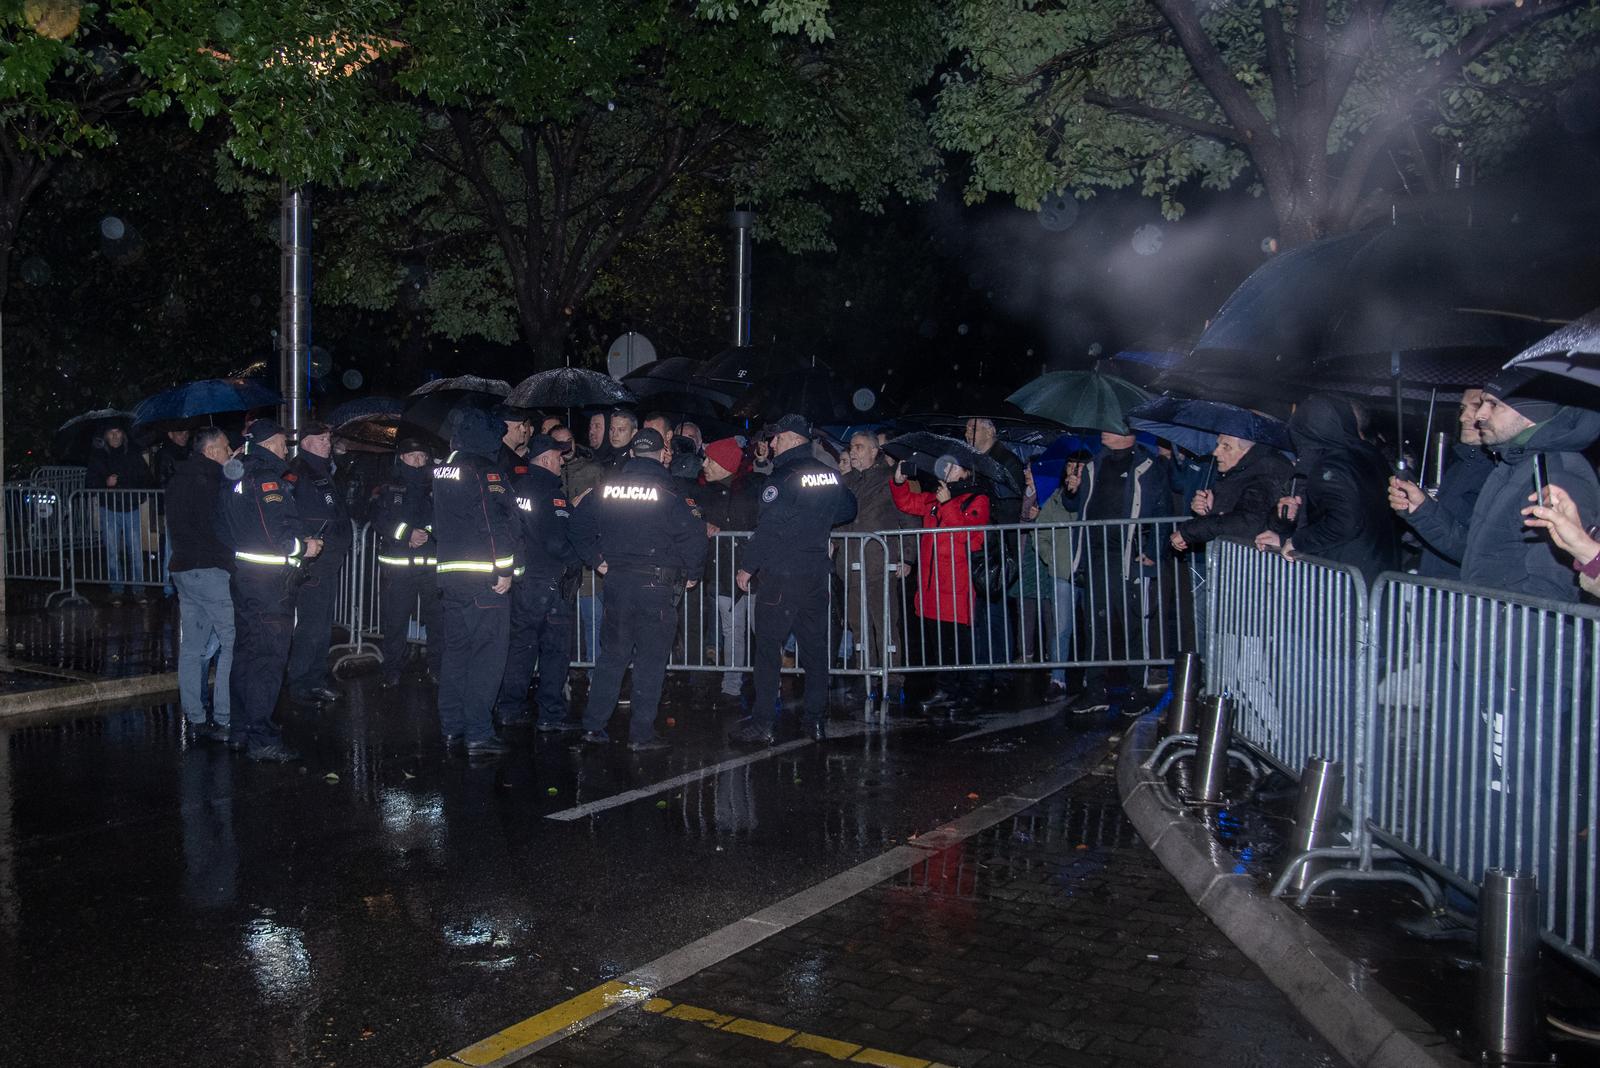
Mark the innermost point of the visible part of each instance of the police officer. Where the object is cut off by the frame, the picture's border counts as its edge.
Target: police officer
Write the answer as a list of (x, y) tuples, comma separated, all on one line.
[(474, 521), (787, 558), (322, 515), (636, 530), (259, 522), (543, 595), (403, 516)]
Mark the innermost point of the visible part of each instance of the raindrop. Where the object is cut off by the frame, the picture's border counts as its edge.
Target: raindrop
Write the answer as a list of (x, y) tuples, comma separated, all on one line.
[(228, 24), (962, 329), (863, 399), (1269, 246), (321, 361), (1030, 352), (1147, 239), (1059, 213), (112, 228), (437, 120), (1096, 349), (611, 105), (352, 379), (847, 304), (35, 271)]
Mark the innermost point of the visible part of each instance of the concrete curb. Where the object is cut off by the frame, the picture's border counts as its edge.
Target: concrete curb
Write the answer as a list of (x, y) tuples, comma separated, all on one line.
[(1364, 1022), (81, 694)]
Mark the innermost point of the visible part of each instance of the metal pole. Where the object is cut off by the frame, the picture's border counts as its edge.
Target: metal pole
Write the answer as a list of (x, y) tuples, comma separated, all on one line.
[(742, 223), (294, 313), (1316, 815), (1186, 674), (1508, 979), (1211, 762)]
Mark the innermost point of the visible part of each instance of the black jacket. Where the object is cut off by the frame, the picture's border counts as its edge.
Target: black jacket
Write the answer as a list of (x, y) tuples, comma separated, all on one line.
[(321, 507), (1242, 499), (1344, 515), (801, 503), (404, 505), (730, 507), (192, 496), (474, 519), (1005, 501), (257, 517), (165, 459), (127, 465), (635, 522), (1494, 547), (547, 551), (1458, 493)]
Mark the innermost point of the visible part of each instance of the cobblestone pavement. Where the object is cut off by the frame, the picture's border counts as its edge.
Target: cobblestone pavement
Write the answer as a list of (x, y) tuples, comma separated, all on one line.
[(1052, 939)]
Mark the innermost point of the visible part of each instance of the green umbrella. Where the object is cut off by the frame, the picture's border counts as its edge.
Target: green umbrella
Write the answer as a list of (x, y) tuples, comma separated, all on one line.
[(1086, 400)]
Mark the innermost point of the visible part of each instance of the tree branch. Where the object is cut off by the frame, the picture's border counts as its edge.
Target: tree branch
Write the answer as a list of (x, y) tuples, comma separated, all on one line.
[(1280, 68), (1129, 106), (1212, 70)]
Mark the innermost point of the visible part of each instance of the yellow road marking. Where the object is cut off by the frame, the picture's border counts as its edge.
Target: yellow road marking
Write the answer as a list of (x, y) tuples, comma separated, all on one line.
[(785, 1036), (691, 1014), (551, 1021), (756, 1029), (839, 1051), (888, 1060)]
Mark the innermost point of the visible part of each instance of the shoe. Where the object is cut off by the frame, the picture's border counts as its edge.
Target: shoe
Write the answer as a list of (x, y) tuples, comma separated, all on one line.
[(207, 732), (322, 693), (1090, 701), (937, 699), (750, 734), (490, 746), (116, 600), (141, 599), (1056, 691), (649, 745), (596, 738), (520, 723), (272, 753), (558, 728)]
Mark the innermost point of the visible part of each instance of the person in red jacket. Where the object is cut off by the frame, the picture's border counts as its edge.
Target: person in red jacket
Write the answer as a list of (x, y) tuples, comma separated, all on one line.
[(944, 573)]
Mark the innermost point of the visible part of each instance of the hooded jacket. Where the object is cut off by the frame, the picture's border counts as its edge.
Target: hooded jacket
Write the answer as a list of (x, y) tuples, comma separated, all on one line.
[(1242, 498), (1494, 547), (1344, 514), (1146, 492), (1458, 494), (474, 520)]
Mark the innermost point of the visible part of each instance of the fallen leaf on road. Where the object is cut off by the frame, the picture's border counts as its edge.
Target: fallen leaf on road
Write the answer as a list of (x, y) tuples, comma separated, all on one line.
[(330, 777)]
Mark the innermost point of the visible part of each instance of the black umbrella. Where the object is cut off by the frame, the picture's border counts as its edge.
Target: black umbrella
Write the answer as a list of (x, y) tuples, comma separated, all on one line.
[(737, 369), (679, 376), (368, 424), (74, 437), (1572, 351), (569, 387), (814, 392), (920, 451), (432, 406)]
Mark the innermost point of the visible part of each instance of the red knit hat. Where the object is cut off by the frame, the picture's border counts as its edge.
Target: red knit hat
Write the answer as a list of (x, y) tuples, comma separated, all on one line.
[(726, 452)]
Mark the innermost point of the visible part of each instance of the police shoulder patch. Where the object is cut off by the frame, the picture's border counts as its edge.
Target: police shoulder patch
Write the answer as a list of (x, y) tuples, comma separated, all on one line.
[(268, 487), (769, 494), (559, 502), (493, 476), (273, 498), (290, 476)]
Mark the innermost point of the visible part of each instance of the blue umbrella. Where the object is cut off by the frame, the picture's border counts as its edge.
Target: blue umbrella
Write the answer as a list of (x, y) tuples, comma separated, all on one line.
[(1195, 424), (209, 396), (1049, 465)]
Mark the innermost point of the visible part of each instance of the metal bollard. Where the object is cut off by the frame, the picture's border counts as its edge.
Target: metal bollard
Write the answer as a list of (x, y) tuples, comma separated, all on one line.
[(1511, 1026), (1211, 760), (1186, 674), (1316, 816)]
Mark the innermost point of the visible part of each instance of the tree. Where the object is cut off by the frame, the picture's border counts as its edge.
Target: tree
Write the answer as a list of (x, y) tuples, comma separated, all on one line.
[(1303, 97)]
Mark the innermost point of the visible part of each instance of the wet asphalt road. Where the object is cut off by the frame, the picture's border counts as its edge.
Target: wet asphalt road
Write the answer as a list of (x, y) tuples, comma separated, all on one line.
[(163, 906)]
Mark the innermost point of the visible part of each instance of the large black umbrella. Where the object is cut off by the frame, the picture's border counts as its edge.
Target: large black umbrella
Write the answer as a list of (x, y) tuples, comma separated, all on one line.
[(569, 387), (1195, 424), (368, 424), (193, 402), (432, 405), (814, 392), (1572, 351), (678, 376), (74, 437), (737, 369), (921, 451)]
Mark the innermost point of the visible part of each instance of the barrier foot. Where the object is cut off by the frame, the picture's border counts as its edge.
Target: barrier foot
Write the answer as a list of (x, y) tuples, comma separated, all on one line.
[(1185, 742), (1424, 888)]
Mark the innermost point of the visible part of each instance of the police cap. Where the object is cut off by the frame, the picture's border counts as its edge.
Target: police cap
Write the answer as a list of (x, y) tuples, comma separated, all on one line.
[(262, 429), (793, 424), (646, 441), (540, 443)]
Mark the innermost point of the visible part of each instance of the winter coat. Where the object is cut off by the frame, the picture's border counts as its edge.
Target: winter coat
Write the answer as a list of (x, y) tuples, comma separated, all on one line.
[(876, 509), (1495, 548), (1007, 506), (1344, 515), (1242, 499), (164, 460), (1457, 494), (944, 565), (192, 495), (730, 507), (1147, 494), (123, 462)]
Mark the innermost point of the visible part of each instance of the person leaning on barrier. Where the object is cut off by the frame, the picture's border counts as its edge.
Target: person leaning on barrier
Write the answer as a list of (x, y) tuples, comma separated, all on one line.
[(475, 525), (1340, 510), (732, 504), (403, 516), (868, 479), (259, 520), (543, 595), (114, 464), (1518, 421), (1558, 514), (1458, 488), (200, 569), (1250, 479), (786, 568), (323, 516), (650, 545)]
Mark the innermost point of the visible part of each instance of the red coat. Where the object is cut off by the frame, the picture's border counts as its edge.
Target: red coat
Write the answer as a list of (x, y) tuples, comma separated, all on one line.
[(944, 567)]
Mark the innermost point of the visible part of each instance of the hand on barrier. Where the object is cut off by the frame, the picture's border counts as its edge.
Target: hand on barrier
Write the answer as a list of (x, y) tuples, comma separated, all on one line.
[(1269, 542), (1202, 503), (1405, 496), (691, 584), (1178, 542)]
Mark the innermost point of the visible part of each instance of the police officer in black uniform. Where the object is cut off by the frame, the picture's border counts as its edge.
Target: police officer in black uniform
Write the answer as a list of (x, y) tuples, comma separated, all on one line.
[(474, 521), (322, 515), (543, 595), (636, 530), (787, 559), (403, 516), (258, 520)]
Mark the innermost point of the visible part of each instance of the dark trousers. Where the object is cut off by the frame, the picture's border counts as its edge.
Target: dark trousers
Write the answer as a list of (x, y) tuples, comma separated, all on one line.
[(313, 627), (477, 624), (541, 633), (788, 604), (943, 641), (263, 623), (402, 586), (640, 620), (1114, 609)]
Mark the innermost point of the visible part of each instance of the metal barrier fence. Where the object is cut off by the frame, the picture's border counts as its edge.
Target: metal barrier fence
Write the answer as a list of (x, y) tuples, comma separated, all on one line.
[(115, 538), (1487, 742)]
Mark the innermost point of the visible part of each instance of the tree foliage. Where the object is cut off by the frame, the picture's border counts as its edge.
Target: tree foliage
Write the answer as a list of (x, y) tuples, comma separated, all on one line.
[(1300, 97)]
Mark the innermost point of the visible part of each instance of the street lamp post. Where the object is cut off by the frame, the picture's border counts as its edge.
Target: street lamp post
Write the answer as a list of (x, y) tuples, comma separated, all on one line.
[(294, 312)]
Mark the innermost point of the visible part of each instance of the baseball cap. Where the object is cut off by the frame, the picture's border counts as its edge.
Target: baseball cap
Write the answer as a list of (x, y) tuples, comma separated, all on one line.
[(263, 429), (645, 441), (405, 445), (793, 424), (543, 443)]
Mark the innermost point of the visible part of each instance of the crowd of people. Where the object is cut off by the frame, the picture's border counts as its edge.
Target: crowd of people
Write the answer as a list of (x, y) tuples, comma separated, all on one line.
[(528, 539)]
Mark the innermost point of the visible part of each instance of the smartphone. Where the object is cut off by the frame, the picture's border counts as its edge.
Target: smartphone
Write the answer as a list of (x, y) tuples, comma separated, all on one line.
[(1541, 476)]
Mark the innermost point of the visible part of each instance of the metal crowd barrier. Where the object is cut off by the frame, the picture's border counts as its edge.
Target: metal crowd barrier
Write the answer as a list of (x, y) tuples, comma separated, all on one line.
[(114, 537), (1487, 742)]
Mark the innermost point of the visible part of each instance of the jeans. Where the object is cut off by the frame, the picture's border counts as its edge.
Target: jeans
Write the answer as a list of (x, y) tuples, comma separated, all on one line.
[(120, 532), (591, 618), (205, 614), (733, 623), (1068, 596)]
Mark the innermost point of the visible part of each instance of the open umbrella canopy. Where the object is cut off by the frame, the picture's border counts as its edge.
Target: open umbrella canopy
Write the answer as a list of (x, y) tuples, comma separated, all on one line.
[(73, 438), (1572, 351), (1048, 466), (814, 392), (368, 424), (921, 450), (569, 387), (1085, 400), (194, 401), (679, 376), (432, 406), (737, 369), (1195, 424)]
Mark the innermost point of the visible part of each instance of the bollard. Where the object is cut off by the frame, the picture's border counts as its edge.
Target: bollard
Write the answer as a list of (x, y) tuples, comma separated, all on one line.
[(1316, 816), (1185, 689), (1211, 760), (1511, 1027)]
